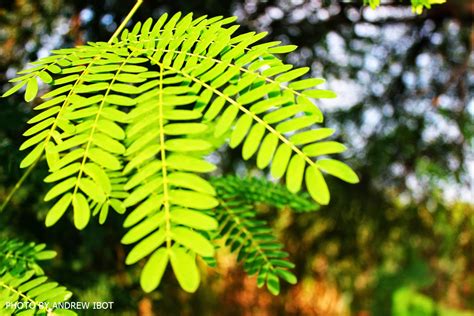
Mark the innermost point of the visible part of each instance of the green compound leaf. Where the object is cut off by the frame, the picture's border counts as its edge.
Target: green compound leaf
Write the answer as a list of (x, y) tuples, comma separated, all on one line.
[(249, 236), (22, 279), (131, 126)]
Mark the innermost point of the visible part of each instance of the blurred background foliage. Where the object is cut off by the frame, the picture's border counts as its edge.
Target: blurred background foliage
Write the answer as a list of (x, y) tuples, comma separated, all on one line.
[(399, 243)]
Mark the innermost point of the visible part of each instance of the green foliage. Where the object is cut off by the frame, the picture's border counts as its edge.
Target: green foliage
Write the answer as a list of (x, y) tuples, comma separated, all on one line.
[(406, 301), (126, 126), (417, 5), (251, 238), (17, 257), (24, 290), (256, 190)]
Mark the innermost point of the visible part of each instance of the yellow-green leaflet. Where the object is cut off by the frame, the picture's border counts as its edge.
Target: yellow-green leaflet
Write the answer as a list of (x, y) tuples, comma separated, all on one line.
[(187, 145), (14, 89), (226, 120), (294, 175), (108, 143), (104, 159), (311, 136), (193, 219), (280, 161), (252, 141), (267, 149), (111, 128), (316, 185), (240, 130), (153, 270), (320, 94), (191, 181), (151, 204), (193, 240), (293, 74), (100, 177), (143, 174), (143, 229), (58, 210), (119, 100), (146, 246), (91, 189), (185, 269), (31, 89), (338, 169), (60, 188), (143, 191), (63, 173), (39, 127), (34, 155), (82, 212), (188, 163), (183, 129), (324, 148), (306, 83), (193, 199)]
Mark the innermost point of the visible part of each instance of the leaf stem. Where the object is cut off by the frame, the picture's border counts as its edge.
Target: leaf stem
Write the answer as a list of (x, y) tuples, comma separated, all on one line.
[(249, 235), (12, 289), (18, 185), (125, 21), (164, 171)]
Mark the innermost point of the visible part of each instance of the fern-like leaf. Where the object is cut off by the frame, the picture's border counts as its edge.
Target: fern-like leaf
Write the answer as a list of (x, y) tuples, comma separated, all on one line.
[(24, 290), (126, 122), (165, 191), (17, 256), (261, 191), (251, 238), (248, 90)]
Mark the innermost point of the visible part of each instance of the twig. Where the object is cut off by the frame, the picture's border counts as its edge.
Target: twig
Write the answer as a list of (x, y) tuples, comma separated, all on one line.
[(18, 185), (125, 21)]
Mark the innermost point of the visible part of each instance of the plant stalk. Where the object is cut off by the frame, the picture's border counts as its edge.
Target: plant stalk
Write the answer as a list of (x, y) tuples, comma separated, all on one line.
[(125, 21), (18, 185)]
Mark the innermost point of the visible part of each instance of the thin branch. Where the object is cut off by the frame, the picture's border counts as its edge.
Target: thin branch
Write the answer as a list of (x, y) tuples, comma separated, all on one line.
[(125, 21), (18, 185)]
